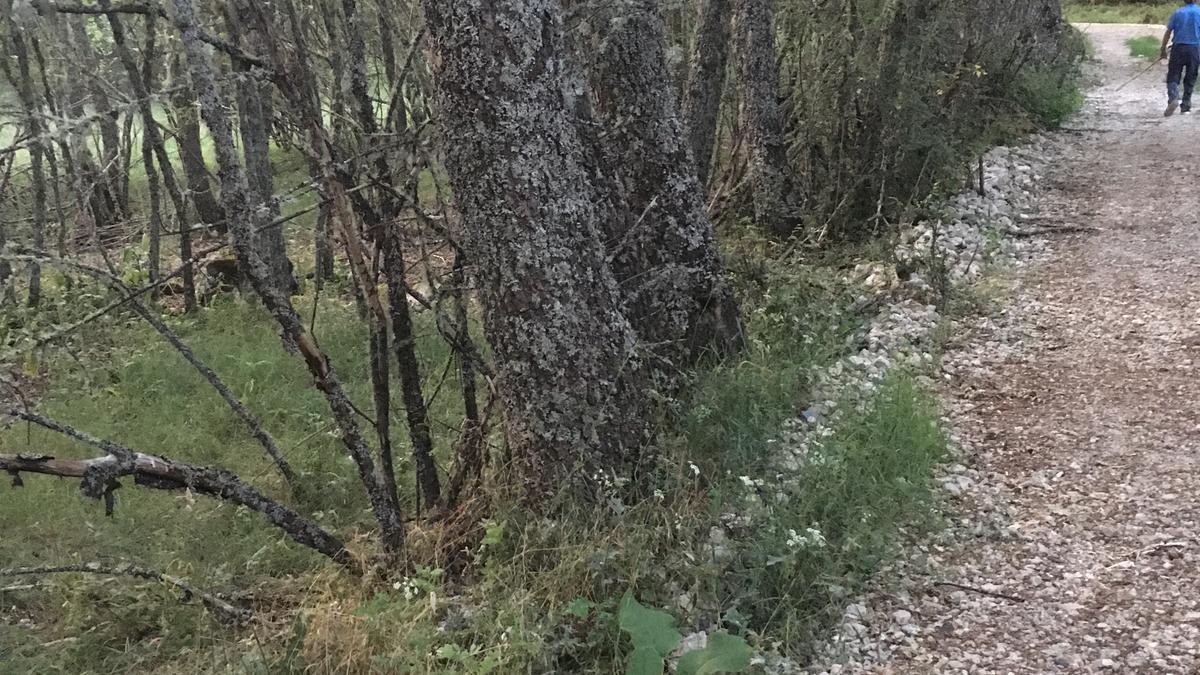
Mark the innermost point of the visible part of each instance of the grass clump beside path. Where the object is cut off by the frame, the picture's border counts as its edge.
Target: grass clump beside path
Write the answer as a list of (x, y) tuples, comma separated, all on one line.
[(1144, 47), (1121, 12)]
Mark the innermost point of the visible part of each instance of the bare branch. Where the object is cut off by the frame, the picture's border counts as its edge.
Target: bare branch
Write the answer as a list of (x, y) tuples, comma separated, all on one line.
[(223, 609)]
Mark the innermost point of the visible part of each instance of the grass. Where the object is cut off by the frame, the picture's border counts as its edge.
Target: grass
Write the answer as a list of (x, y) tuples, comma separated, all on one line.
[(1144, 47), (541, 593), (1120, 12)]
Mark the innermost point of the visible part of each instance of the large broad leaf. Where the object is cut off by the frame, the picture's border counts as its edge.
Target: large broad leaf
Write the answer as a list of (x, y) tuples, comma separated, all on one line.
[(647, 627), (644, 661), (653, 634), (725, 653)]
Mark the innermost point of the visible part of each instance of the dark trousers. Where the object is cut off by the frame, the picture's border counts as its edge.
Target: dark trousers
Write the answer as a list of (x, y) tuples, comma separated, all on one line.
[(1184, 66)]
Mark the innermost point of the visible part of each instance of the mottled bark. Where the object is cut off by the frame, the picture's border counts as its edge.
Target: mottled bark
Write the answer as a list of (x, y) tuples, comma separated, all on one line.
[(672, 280), (153, 187), (33, 122), (567, 370), (771, 174), (154, 138), (108, 119), (191, 153), (706, 80), (243, 221), (249, 26)]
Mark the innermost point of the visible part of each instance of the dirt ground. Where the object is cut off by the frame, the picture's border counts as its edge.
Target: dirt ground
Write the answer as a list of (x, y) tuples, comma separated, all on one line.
[(1087, 437)]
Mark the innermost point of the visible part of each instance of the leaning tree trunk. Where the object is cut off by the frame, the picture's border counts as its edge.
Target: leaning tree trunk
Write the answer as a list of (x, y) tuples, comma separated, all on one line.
[(665, 259), (706, 79), (763, 116), (567, 372), (191, 153)]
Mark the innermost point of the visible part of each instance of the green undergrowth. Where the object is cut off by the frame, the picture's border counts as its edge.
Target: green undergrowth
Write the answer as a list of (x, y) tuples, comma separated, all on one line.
[(1144, 47), (715, 538), (1120, 12)]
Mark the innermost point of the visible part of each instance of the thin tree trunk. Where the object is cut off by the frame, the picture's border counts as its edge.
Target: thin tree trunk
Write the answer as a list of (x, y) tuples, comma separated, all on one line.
[(567, 371), (249, 26), (771, 173), (191, 153), (110, 132), (706, 80), (243, 220), (388, 238), (154, 138), (33, 123), (154, 228), (672, 280)]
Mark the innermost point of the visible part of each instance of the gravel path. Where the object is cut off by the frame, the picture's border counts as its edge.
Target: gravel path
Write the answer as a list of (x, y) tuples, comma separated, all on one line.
[(1076, 548)]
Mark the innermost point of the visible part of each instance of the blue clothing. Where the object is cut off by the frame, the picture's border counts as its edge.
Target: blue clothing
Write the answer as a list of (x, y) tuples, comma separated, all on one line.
[(1183, 68), (1185, 24)]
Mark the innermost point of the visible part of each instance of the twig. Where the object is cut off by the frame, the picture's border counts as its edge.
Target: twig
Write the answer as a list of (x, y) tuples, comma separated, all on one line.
[(225, 610), (980, 591)]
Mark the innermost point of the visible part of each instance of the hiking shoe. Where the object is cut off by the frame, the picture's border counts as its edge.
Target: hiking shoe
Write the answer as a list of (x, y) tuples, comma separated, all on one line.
[(1171, 107)]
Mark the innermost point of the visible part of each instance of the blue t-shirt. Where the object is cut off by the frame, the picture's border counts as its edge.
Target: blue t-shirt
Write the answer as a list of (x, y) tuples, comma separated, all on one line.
[(1185, 24)]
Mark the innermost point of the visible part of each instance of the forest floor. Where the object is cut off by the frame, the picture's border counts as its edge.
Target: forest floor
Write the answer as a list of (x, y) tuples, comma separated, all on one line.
[(1085, 439)]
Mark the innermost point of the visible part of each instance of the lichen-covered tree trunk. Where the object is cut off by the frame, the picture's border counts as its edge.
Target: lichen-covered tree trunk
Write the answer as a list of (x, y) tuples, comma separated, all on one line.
[(567, 368), (248, 25), (107, 117), (24, 86), (706, 79), (665, 258), (191, 153), (771, 174)]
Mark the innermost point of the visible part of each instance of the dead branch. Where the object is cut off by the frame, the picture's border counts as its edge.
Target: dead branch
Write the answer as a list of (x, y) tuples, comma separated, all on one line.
[(223, 609), (99, 476)]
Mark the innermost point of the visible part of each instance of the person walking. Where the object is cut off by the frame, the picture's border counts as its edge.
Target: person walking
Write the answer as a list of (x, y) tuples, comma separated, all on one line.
[(1183, 62)]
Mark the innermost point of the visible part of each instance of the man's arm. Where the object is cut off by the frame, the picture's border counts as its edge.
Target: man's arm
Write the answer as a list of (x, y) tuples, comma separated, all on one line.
[(1162, 54)]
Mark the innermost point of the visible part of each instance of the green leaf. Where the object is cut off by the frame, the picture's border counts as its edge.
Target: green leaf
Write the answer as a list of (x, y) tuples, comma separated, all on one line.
[(644, 661), (580, 608), (651, 628), (725, 653)]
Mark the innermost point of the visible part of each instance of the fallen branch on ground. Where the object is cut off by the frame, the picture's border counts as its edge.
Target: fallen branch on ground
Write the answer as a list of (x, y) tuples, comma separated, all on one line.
[(223, 609), (99, 476), (1040, 231), (980, 591)]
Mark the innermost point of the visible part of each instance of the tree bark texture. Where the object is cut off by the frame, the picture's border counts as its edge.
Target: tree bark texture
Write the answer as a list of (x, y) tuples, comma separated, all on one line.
[(249, 24), (665, 257), (567, 368), (191, 154), (763, 116), (33, 123), (706, 80)]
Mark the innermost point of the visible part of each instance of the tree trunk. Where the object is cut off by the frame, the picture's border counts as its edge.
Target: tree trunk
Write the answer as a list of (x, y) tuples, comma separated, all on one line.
[(154, 226), (154, 138), (567, 370), (248, 25), (771, 173), (33, 123), (672, 280), (243, 220), (191, 153), (705, 82), (110, 132)]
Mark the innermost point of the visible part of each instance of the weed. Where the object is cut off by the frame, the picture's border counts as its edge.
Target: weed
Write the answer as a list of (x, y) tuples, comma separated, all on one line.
[(1144, 47), (1120, 12)]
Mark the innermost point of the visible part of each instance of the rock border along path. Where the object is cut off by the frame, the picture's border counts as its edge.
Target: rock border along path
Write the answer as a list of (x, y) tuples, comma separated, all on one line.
[(1075, 541)]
